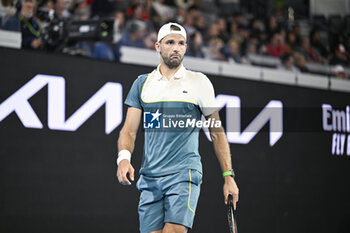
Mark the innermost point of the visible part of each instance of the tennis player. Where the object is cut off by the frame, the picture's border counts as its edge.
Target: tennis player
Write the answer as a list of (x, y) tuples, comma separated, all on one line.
[(171, 170)]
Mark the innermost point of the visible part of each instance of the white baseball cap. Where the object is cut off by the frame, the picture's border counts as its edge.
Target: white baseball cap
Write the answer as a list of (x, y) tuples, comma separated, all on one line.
[(338, 69), (166, 30)]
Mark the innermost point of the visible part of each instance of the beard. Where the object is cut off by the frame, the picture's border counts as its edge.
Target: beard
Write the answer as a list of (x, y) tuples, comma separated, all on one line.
[(172, 63), (27, 15)]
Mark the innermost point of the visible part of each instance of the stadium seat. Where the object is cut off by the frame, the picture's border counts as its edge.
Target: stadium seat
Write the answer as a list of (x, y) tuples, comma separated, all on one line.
[(335, 23), (347, 23), (319, 21)]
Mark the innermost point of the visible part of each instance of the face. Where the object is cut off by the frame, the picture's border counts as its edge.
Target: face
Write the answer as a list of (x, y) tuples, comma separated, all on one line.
[(234, 46), (341, 75), (213, 30), (291, 37), (172, 49), (290, 62), (306, 42), (27, 9), (60, 4), (273, 23)]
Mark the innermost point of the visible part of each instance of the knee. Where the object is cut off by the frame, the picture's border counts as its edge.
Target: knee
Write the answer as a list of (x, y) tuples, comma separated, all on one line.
[(174, 228)]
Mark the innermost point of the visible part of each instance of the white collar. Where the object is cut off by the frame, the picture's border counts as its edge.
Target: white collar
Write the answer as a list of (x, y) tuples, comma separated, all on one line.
[(179, 74)]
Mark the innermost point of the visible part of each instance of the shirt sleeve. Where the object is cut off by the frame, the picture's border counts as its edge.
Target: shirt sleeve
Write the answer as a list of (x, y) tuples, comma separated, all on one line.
[(206, 99), (134, 97)]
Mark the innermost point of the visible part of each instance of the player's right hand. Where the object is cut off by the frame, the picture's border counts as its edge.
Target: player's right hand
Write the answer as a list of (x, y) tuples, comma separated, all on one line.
[(36, 43), (125, 168)]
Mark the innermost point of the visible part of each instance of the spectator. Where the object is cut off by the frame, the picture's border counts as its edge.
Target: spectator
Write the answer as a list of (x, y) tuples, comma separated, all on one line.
[(197, 17), (262, 49), (147, 10), (278, 15), (118, 27), (272, 27), (339, 72), (232, 52), (287, 48), (300, 62), (315, 41), (215, 44), (223, 34), (61, 9), (296, 31), (7, 9), (25, 22), (309, 53), (213, 32), (255, 29), (234, 32), (48, 5), (134, 11), (189, 24), (195, 45), (276, 47), (347, 43), (134, 36), (238, 18), (339, 52), (199, 24), (165, 12), (236, 52), (252, 46), (181, 15), (340, 56), (244, 33), (80, 10), (150, 40), (287, 61), (292, 42), (140, 11)]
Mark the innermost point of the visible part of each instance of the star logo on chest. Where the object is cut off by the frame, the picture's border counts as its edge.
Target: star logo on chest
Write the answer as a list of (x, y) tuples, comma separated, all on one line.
[(156, 115)]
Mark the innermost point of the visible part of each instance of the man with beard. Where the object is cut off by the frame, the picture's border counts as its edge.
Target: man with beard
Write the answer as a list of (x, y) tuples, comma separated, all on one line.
[(171, 170), (25, 22)]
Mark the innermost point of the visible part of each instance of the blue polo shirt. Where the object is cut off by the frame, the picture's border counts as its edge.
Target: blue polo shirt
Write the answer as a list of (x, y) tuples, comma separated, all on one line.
[(172, 111)]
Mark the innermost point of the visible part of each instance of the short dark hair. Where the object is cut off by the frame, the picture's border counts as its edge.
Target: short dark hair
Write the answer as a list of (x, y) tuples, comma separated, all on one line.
[(174, 28), (285, 57)]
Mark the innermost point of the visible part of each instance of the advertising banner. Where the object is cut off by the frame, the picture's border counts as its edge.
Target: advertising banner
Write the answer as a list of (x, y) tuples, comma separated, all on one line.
[(60, 119)]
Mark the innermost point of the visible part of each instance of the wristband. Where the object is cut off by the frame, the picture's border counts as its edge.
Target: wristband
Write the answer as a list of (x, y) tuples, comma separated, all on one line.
[(123, 154), (229, 173)]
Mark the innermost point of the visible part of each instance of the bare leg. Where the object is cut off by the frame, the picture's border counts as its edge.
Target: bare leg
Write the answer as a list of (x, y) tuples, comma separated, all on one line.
[(174, 228)]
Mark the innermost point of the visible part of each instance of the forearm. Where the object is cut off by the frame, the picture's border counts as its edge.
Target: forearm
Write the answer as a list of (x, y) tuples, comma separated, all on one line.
[(128, 133), (126, 141), (222, 149)]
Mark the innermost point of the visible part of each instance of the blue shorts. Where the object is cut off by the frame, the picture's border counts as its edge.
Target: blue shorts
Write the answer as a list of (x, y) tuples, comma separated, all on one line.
[(172, 198)]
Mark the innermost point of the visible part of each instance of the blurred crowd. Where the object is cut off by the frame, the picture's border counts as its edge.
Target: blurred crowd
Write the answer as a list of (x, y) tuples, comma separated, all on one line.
[(217, 30)]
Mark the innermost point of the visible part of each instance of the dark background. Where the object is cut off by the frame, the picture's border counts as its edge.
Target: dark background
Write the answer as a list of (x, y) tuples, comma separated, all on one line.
[(59, 181)]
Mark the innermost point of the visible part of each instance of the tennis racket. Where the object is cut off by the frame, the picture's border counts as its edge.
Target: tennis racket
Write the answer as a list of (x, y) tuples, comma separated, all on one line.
[(231, 215)]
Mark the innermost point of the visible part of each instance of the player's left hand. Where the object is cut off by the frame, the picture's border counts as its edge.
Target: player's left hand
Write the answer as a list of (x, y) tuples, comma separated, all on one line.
[(230, 187)]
